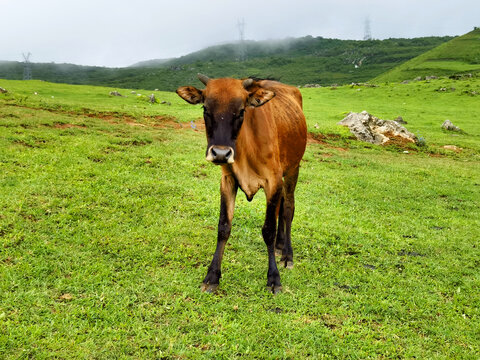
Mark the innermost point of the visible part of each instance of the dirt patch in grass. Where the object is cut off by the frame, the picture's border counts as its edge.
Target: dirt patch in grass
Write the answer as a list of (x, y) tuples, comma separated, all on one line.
[(197, 125), (171, 123), (398, 141), (132, 123), (30, 143), (105, 115), (112, 117), (115, 117), (317, 138), (168, 124), (67, 126)]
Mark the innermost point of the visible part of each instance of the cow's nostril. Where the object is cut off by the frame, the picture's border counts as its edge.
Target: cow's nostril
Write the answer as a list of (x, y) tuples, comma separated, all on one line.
[(214, 153)]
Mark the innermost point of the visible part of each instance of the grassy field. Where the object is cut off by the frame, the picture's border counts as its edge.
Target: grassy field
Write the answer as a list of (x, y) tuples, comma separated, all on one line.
[(108, 224), (459, 55)]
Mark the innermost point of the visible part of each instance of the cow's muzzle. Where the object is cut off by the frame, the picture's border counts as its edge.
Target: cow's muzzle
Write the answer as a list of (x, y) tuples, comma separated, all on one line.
[(220, 154)]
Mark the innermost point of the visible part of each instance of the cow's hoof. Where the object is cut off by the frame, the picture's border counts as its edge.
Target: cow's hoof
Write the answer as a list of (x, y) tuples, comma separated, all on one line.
[(278, 252), (277, 290), (286, 263), (274, 289), (209, 288)]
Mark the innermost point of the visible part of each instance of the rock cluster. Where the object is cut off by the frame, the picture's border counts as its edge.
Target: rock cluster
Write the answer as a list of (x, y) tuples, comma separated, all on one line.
[(427, 78), (460, 76), (369, 128), (448, 125), (444, 89)]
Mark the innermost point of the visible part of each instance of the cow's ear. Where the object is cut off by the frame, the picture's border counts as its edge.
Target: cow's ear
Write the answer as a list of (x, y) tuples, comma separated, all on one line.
[(190, 94), (260, 97)]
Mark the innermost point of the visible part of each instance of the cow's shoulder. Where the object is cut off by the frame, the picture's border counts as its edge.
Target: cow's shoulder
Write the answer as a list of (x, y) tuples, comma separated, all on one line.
[(285, 93)]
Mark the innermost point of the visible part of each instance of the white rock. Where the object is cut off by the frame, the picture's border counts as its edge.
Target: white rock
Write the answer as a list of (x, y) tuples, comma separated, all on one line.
[(447, 125), (369, 128)]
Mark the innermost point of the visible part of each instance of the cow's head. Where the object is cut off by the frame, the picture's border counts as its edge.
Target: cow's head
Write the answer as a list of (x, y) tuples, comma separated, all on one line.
[(224, 104)]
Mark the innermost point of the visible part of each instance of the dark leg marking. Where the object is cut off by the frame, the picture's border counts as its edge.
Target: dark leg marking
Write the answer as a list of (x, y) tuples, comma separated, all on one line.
[(288, 213), (228, 193), (269, 232), (280, 241)]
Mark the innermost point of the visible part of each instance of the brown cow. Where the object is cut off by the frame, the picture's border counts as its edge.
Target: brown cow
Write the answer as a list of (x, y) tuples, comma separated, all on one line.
[(256, 130)]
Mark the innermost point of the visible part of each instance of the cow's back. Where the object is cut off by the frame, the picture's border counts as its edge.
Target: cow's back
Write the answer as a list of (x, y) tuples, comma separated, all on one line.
[(287, 122)]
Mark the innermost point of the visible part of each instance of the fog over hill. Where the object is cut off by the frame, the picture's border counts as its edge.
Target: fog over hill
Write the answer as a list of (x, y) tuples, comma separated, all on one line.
[(297, 61), (120, 33)]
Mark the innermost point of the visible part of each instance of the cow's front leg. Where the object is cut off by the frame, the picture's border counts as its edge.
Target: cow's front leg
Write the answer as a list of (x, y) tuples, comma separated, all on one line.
[(228, 191), (269, 232)]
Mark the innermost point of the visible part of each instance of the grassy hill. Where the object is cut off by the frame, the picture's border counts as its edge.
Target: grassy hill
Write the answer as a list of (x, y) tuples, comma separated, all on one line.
[(108, 225), (459, 55), (295, 61)]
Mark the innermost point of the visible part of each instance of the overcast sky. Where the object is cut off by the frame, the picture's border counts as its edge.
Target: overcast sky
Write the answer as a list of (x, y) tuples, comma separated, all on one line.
[(122, 32)]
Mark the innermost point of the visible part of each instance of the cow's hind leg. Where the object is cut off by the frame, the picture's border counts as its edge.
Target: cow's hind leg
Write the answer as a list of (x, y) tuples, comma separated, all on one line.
[(288, 213), (274, 195), (280, 240), (228, 191)]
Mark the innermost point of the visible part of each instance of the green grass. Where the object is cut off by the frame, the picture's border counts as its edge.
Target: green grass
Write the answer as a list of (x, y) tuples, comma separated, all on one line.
[(421, 104), (459, 55), (95, 100), (107, 228)]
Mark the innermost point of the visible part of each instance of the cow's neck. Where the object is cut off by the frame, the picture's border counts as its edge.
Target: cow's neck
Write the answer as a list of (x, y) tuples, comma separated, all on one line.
[(252, 158)]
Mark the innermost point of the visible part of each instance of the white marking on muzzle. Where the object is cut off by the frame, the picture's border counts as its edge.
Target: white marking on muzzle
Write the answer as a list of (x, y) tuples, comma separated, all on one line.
[(231, 159), (209, 154)]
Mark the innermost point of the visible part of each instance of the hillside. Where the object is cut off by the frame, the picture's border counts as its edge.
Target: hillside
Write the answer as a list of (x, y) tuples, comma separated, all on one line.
[(459, 55), (296, 61)]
